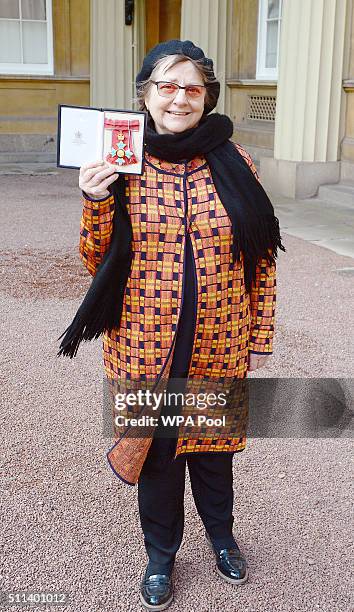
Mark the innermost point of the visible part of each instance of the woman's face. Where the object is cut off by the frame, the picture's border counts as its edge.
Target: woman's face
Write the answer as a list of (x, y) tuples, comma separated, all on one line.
[(175, 115)]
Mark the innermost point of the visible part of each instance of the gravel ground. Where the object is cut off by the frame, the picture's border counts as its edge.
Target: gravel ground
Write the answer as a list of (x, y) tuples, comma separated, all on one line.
[(68, 524)]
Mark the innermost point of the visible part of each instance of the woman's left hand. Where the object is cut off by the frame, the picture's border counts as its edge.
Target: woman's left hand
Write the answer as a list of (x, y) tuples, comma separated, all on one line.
[(257, 361)]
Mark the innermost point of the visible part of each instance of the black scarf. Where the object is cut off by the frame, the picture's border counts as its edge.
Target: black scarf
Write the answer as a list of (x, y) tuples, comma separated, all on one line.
[(255, 228)]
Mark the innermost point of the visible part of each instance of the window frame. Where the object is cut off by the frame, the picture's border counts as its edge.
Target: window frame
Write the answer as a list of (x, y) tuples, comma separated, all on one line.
[(262, 72), (17, 68)]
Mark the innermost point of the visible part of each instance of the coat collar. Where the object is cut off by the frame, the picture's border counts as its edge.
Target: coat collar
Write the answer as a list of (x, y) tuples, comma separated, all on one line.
[(175, 168)]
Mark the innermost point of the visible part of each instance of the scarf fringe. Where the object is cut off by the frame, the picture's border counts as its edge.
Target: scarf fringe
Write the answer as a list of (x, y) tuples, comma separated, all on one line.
[(83, 329), (261, 241), (101, 309), (101, 316)]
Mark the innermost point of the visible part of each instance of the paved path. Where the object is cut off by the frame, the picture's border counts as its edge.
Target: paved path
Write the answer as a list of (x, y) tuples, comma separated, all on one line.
[(319, 222), (68, 523)]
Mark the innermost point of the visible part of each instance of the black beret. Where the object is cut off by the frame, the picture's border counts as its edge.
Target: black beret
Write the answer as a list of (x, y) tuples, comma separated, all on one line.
[(177, 47)]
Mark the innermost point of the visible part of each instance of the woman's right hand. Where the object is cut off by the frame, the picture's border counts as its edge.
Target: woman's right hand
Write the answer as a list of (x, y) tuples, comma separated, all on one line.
[(94, 178)]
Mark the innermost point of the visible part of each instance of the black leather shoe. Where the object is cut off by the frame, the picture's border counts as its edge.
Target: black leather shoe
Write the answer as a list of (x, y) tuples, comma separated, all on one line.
[(156, 592), (230, 563)]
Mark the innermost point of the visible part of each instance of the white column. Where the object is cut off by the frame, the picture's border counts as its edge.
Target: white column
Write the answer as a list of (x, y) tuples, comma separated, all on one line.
[(113, 55), (204, 23), (309, 98)]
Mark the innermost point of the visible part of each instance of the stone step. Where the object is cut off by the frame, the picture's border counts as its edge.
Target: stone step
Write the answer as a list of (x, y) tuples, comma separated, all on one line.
[(23, 143), (23, 157), (341, 193), (29, 168)]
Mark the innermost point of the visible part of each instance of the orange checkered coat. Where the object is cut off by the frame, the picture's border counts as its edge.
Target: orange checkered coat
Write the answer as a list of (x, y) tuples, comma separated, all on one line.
[(229, 321)]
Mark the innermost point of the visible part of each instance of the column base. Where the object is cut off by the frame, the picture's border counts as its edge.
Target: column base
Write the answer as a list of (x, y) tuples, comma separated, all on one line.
[(298, 180), (347, 170)]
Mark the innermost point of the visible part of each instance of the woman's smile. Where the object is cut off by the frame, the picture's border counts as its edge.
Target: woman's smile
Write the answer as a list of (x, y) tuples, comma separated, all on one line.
[(185, 112)]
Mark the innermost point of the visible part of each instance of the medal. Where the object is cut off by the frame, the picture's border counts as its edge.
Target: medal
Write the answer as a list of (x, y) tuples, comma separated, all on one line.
[(122, 152)]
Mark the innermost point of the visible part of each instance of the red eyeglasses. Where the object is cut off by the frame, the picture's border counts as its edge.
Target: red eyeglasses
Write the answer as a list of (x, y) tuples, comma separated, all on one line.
[(170, 90)]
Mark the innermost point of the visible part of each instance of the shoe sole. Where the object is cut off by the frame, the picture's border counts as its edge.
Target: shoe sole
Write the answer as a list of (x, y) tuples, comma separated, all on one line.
[(229, 580), (159, 607), (209, 544), (232, 580)]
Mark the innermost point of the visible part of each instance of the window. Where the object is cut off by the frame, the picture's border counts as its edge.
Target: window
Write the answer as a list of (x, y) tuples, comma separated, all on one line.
[(26, 38), (269, 23)]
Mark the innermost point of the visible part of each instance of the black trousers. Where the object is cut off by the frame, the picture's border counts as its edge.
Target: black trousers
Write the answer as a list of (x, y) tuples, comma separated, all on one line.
[(161, 500), (162, 480)]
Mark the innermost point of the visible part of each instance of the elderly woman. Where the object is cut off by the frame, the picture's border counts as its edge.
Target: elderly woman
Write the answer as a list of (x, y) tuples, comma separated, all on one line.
[(183, 259)]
